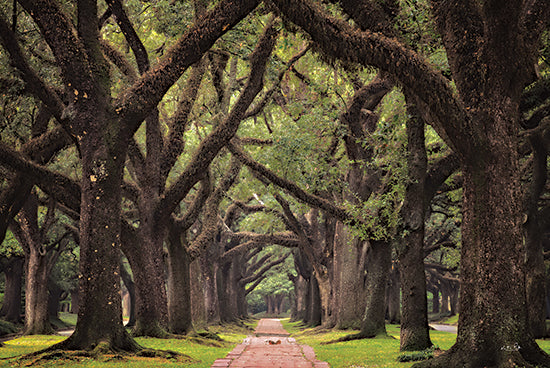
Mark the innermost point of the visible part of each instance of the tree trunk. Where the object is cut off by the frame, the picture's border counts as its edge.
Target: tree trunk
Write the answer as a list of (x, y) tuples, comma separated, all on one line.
[(179, 286), (54, 299), (315, 313), (378, 268), (414, 315), (493, 328), (198, 291), (393, 296), (535, 270), (11, 307), (210, 274), (100, 307), (75, 301), (37, 319), (130, 286), (227, 313), (149, 279), (349, 260), (300, 296), (435, 301), (445, 297)]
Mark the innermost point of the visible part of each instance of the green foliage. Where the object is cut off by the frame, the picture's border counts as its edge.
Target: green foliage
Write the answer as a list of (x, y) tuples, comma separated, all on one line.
[(10, 246), (379, 215)]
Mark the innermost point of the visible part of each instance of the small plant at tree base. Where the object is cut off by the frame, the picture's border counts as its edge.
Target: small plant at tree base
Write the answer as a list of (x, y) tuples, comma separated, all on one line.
[(413, 356)]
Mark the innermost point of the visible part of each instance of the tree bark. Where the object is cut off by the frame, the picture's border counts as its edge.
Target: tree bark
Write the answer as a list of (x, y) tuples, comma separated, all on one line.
[(37, 318), (13, 272), (393, 296), (414, 318), (349, 265), (210, 274), (535, 277), (179, 286), (378, 268), (198, 286)]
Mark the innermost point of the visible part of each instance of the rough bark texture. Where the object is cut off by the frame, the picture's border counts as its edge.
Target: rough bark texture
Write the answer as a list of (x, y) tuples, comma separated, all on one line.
[(179, 286), (349, 265), (378, 267), (535, 269), (393, 296), (414, 315), (13, 272)]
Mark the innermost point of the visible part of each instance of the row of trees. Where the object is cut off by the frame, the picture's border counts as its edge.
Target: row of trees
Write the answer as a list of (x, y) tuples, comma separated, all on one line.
[(146, 156)]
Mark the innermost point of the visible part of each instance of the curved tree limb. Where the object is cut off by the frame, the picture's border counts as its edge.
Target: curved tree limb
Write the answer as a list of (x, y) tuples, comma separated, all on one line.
[(340, 40), (211, 145)]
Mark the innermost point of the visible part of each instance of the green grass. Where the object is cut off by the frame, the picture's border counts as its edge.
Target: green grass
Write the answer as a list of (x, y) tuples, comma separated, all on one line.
[(68, 318), (452, 320), (204, 352), (379, 352)]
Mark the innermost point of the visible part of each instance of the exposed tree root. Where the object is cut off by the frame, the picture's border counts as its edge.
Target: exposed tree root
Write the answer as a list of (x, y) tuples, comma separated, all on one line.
[(151, 330), (357, 336), (103, 353)]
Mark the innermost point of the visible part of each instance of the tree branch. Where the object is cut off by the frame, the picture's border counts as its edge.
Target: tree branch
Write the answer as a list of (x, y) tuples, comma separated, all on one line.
[(340, 40), (137, 102), (289, 186), (211, 145)]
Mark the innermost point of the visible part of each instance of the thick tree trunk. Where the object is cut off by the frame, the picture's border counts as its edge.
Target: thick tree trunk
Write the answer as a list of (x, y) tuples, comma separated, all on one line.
[(300, 299), (445, 298), (75, 301), (13, 272), (179, 286), (493, 328), (414, 315), (227, 312), (54, 299), (100, 304), (378, 268), (37, 319), (324, 287), (149, 279), (349, 264), (315, 313)]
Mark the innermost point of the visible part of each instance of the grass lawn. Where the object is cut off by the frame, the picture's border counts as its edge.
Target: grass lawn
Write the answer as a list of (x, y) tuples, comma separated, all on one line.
[(379, 352), (202, 351)]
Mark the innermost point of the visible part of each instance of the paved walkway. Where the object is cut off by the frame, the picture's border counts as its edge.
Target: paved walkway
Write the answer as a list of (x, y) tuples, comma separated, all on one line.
[(271, 347)]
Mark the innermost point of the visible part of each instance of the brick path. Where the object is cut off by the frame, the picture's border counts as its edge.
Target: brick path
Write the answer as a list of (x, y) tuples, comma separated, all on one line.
[(271, 347)]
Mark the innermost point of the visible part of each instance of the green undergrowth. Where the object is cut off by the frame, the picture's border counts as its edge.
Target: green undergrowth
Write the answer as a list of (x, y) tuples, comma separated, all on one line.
[(381, 352), (196, 351)]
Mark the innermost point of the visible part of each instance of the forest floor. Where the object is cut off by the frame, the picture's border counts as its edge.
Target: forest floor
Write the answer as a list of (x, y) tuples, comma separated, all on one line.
[(270, 346)]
